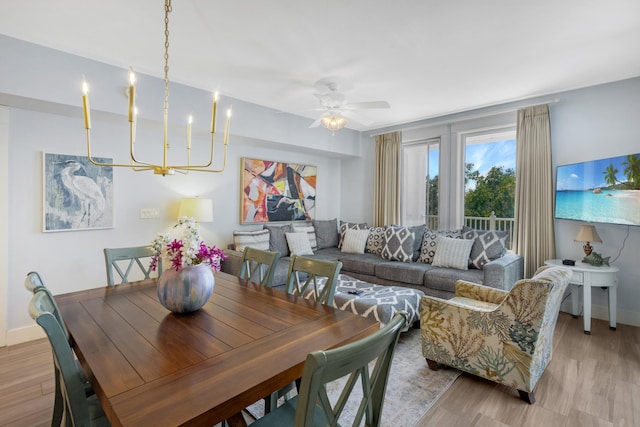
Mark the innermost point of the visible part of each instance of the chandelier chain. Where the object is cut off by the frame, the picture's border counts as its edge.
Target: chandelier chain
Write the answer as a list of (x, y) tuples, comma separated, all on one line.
[(167, 10)]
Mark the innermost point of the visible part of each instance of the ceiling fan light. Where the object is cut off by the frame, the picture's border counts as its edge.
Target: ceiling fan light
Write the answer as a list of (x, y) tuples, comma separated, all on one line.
[(333, 122)]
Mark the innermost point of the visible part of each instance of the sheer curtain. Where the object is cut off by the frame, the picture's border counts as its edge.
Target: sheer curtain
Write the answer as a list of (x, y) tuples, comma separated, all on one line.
[(386, 186), (534, 230)]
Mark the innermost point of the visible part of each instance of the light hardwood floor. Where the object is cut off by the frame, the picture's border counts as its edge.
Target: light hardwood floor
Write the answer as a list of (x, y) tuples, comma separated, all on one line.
[(592, 380)]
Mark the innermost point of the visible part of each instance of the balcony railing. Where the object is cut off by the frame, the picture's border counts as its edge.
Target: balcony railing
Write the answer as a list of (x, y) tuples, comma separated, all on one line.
[(482, 223)]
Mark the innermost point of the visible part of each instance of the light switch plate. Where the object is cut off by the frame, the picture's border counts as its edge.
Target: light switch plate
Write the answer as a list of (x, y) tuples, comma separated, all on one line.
[(149, 213)]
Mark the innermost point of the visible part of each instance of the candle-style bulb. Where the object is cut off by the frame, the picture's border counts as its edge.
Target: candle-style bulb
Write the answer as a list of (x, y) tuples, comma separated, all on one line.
[(190, 120), (132, 94), (85, 87), (85, 105), (132, 77)]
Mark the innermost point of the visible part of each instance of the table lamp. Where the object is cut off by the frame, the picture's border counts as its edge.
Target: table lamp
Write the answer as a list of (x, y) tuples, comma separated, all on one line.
[(588, 234), (199, 209)]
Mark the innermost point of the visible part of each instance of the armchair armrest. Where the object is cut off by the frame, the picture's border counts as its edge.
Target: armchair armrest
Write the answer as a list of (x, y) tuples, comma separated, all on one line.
[(478, 292), (504, 272)]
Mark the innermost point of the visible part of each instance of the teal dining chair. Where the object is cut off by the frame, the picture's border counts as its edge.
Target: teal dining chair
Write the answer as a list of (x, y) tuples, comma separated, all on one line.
[(312, 406), (312, 269), (33, 281), (139, 256), (78, 408), (258, 265)]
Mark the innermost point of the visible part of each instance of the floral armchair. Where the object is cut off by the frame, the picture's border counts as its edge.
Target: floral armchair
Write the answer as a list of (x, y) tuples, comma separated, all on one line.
[(504, 336)]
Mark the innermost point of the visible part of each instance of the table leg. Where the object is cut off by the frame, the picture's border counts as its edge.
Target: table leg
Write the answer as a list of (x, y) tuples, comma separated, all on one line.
[(575, 290), (586, 294), (237, 421), (613, 303)]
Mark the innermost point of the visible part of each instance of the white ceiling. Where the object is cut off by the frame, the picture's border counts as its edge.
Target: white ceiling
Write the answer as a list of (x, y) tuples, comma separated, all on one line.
[(425, 57)]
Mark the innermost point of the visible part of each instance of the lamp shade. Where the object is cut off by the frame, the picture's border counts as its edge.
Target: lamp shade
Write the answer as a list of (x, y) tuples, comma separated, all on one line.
[(588, 233), (199, 209)]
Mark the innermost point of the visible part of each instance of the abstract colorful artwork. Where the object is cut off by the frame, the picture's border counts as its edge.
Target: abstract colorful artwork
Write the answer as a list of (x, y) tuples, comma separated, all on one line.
[(276, 191)]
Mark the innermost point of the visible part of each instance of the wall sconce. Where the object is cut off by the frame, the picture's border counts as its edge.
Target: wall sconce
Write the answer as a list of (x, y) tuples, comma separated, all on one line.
[(588, 234), (194, 207)]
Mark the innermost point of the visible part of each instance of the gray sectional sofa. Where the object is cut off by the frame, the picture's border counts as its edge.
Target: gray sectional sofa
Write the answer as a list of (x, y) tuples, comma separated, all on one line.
[(382, 263)]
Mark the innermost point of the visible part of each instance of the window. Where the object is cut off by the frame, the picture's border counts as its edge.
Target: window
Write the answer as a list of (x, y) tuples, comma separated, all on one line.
[(489, 181), (420, 189)]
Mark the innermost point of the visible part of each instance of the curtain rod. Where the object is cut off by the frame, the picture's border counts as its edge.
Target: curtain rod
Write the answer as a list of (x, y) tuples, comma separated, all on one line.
[(472, 117)]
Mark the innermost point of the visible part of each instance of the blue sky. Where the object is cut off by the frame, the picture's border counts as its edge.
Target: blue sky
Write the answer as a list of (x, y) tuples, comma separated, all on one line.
[(484, 156), (587, 175)]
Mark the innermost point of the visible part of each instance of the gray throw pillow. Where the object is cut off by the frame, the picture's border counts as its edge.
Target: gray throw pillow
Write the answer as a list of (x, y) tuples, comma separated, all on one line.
[(326, 233), (487, 246), (278, 239), (398, 244), (418, 232)]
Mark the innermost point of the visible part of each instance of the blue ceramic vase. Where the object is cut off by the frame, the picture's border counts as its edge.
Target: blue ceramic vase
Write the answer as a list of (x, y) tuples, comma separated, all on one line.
[(187, 290)]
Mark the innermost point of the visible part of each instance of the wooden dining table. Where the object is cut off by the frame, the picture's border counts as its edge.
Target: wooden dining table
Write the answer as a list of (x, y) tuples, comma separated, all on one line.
[(149, 366)]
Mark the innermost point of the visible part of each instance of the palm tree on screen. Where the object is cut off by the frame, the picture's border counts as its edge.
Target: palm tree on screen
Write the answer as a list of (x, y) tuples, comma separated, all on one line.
[(610, 175), (632, 169)]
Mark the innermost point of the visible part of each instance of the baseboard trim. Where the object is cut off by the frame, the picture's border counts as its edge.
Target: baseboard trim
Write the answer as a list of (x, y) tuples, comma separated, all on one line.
[(24, 334), (601, 312)]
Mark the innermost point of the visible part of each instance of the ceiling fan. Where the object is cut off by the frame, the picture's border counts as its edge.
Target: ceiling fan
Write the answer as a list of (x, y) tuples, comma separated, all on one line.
[(336, 108)]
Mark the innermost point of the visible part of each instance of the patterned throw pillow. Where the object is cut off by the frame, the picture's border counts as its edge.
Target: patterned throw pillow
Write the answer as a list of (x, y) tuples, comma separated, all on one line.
[(354, 241), (258, 239), (299, 243), (429, 243), (375, 241), (352, 225), (487, 246), (398, 244), (452, 253), (311, 232)]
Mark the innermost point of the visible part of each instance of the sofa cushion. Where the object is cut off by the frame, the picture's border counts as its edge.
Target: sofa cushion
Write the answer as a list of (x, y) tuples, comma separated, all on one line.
[(299, 243), (355, 241), (326, 232), (352, 225), (375, 241), (359, 263), (398, 244), (452, 253), (277, 239), (311, 233), (412, 273), (444, 279), (258, 239), (487, 246)]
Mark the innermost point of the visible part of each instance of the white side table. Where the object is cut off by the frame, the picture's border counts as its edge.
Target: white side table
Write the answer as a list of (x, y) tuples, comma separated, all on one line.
[(588, 276)]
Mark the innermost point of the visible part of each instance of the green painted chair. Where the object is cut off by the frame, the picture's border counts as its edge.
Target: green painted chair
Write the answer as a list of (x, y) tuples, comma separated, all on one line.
[(312, 406), (34, 284), (311, 270), (79, 409), (137, 255), (258, 265)]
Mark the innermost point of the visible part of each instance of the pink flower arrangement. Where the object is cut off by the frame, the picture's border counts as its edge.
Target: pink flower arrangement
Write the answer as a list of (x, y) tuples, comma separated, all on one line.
[(188, 251)]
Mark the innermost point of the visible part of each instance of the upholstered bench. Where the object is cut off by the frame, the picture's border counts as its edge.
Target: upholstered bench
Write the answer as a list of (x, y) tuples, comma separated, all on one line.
[(375, 301)]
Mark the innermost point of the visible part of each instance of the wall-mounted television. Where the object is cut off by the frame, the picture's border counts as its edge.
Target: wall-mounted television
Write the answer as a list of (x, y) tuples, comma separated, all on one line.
[(605, 190)]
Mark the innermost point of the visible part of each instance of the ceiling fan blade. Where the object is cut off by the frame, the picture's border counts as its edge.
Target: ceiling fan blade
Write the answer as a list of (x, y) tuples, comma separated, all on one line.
[(316, 123), (366, 105)]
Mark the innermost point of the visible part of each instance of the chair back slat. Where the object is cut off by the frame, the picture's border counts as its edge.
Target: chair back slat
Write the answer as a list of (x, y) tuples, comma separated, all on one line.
[(139, 256), (312, 269), (258, 265)]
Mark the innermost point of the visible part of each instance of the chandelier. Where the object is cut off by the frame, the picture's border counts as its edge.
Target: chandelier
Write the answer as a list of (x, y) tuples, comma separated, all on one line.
[(333, 122), (164, 168)]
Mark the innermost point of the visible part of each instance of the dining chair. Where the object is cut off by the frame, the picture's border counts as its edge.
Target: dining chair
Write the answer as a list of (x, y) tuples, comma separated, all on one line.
[(312, 406), (137, 255), (258, 265), (34, 284), (313, 269), (78, 408)]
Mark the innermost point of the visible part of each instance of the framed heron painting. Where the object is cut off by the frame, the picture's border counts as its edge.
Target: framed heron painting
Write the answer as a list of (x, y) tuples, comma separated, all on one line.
[(78, 195), (277, 191)]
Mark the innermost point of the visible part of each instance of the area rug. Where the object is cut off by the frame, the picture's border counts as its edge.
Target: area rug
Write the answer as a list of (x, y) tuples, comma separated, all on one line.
[(411, 391)]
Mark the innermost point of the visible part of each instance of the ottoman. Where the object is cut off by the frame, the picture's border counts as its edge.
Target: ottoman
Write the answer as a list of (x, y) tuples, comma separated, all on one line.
[(375, 301)]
